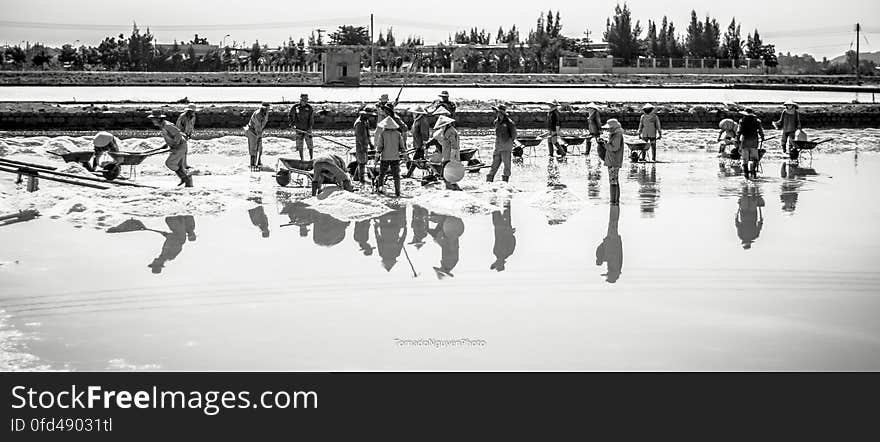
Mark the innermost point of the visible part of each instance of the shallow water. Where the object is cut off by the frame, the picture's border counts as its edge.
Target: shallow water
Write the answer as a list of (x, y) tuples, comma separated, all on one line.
[(164, 94), (698, 268)]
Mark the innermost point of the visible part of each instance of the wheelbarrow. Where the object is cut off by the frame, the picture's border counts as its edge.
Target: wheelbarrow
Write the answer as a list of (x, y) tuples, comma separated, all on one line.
[(524, 142), (112, 170), (638, 149), (569, 141), (470, 157), (287, 167), (806, 146), (83, 157)]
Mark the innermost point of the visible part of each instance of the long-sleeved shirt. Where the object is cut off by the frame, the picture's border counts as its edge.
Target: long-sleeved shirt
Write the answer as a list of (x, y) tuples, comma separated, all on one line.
[(186, 122), (649, 126), (614, 149), (448, 139), (594, 123), (790, 121), (505, 134), (362, 141), (553, 120), (302, 116), (390, 145), (749, 131), (421, 131), (258, 122), (173, 138)]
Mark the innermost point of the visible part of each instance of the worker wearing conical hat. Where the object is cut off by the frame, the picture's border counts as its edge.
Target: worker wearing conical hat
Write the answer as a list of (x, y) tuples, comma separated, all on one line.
[(789, 122), (554, 125), (447, 135), (389, 149), (649, 129), (254, 133), (614, 157), (594, 125)]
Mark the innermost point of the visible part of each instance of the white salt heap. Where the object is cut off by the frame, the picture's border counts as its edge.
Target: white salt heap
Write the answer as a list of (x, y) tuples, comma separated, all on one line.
[(456, 203), (557, 204)]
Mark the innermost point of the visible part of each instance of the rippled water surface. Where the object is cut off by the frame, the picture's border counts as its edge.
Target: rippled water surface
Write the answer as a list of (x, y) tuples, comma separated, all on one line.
[(697, 269)]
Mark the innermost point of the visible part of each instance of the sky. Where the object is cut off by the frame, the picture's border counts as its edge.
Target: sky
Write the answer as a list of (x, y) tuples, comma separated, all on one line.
[(818, 27)]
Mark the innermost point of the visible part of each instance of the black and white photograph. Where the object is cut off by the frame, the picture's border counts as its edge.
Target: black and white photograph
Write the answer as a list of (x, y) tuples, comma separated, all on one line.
[(450, 186)]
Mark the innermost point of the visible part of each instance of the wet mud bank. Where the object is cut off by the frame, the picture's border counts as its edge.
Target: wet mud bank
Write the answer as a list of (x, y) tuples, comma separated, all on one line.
[(472, 114)]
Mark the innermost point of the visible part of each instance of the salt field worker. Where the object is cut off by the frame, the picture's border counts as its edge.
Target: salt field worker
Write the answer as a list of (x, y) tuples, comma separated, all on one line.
[(103, 142), (790, 122), (749, 135), (302, 120), (594, 125), (363, 141), (329, 167), (727, 133), (389, 148), (447, 135), (254, 133), (505, 135), (383, 101), (614, 157), (186, 122), (445, 104), (421, 133), (649, 129), (553, 126), (177, 144)]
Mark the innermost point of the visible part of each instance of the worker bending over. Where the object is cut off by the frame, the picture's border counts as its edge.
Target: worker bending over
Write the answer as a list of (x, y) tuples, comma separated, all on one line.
[(329, 168)]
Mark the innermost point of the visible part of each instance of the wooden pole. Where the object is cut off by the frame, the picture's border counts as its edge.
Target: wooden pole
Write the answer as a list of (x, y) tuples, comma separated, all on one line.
[(858, 74), (372, 51)]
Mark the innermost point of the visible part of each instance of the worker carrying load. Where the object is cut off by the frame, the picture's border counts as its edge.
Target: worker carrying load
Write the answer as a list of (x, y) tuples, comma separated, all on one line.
[(177, 144), (103, 142), (790, 122), (329, 168)]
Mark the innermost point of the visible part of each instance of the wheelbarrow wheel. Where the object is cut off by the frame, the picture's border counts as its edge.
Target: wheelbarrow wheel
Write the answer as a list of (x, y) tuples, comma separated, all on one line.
[(282, 178), (634, 156), (111, 171), (793, 154)]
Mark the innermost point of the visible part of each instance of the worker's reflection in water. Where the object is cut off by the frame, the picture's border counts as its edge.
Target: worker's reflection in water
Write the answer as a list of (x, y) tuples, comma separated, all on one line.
[(446, 234), (610, 250), (258, 218), (594, 180), (390, 230), (749, 219), (793, 176), (419, 226), (362, 236), (649, 193), (505, 241), (327, 230), (183, 229)]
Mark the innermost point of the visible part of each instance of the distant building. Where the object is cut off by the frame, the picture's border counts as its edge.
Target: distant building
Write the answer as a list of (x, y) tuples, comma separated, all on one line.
[(200, 49), (341, 67)]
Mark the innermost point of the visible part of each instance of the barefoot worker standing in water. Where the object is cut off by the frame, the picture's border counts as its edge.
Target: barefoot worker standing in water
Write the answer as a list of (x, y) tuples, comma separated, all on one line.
[(594, 126), (177, 143), (446, 134), (614, 157), (302, 120), (254, 133), (388, 152), (748, 136)]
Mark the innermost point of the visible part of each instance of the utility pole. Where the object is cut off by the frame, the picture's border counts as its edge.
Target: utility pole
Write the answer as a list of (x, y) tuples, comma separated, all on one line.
[(858, 74), (372, 52)]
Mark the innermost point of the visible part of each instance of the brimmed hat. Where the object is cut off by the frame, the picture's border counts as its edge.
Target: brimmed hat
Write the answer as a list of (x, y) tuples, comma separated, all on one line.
[(388, 123), (306, 96), (155, 114), (368, 111), (383, 96), (102, 139), (443, 121), (500, 108), (592, 105), (266, 104), (747, 111), (790, 103), (554, 103), (648, 106), (419, 110), (192, 107), (612, 123), (444, 94)]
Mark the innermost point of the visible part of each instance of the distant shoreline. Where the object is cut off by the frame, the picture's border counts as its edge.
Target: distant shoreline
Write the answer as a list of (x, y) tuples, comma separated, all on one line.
[(827, 83)]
